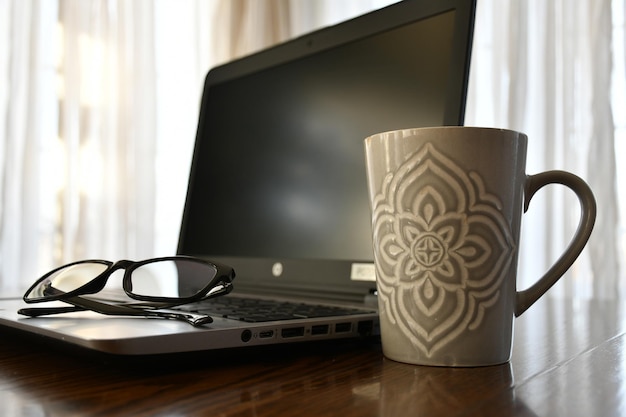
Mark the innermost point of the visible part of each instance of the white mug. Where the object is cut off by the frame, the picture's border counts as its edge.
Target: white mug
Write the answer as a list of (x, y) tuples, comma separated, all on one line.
[(446, 211)]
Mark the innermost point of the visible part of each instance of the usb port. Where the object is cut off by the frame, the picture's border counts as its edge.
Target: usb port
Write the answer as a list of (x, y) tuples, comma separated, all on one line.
[(292, 332), (365, 328), (343, 327), (266, 334), (319, 329)]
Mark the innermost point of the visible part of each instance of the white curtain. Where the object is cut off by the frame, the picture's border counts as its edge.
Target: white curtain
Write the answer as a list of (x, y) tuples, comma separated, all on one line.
[(78, 138), (545, 68), (99, 102)]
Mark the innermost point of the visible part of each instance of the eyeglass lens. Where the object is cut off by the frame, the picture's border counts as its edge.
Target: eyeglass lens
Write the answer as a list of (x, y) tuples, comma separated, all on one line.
[(68, 279), (171, 278)]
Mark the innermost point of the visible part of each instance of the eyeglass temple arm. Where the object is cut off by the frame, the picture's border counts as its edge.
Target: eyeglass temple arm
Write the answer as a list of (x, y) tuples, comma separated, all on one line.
[(82, 304), (46, 311)]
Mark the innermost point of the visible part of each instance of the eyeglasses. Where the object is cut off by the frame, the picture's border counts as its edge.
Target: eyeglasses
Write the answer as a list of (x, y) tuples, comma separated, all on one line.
[(157, 284)]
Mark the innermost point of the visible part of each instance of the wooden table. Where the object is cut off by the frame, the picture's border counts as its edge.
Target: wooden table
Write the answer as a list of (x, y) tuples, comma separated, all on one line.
[(569, 360)]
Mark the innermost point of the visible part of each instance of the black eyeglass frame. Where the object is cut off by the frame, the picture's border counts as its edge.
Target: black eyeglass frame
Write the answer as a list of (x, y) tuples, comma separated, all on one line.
[(223, 276)]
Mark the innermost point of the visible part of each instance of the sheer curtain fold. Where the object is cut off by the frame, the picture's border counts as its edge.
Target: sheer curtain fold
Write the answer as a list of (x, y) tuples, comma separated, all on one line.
[(28, 80), (601, 163), (107, 128), (245, 26)]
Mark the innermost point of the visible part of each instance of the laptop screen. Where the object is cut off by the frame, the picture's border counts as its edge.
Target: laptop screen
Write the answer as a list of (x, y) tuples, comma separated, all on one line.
[(278, 183)]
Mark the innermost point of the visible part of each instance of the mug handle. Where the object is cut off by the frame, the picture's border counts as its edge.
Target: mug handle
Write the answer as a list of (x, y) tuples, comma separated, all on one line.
[(526, 298)]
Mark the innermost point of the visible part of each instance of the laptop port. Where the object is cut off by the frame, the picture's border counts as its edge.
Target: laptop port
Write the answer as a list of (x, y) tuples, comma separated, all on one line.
[(292, 332), (365, 328), (266, 334), (343, 327), (246, 335), (319, 329)]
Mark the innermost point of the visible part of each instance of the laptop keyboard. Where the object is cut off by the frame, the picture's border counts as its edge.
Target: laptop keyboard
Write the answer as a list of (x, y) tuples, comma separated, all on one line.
[(253, 310)]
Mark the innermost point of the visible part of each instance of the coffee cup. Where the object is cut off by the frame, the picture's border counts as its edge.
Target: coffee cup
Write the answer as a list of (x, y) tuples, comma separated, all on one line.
[(447, 204)]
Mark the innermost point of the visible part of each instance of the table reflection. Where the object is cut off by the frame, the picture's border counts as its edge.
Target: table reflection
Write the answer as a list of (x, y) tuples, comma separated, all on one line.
[(15, 405), (426, 391)]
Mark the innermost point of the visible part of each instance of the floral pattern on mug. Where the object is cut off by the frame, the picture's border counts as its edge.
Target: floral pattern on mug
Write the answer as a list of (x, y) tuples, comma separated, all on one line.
[(444, 247)]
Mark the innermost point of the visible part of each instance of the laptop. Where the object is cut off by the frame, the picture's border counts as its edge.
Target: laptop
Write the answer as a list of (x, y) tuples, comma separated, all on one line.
[(277, 187)]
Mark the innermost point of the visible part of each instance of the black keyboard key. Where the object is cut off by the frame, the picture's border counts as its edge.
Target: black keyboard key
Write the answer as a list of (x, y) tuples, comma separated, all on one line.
[(254, 311)]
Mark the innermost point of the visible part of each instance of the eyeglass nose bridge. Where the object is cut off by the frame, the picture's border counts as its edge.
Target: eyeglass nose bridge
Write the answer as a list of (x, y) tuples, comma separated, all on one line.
[(99, 282), (123, 264)]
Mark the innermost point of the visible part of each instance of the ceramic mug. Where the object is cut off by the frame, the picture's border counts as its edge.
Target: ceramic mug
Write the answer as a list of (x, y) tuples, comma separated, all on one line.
[(446, 211)]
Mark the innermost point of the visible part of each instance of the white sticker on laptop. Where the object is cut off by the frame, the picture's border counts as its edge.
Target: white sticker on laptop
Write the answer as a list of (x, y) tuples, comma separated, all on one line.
[(363, 272)]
